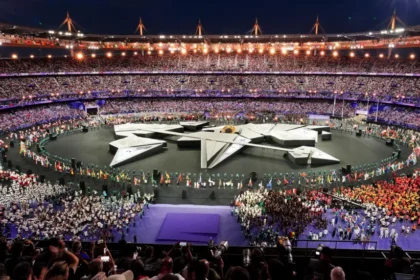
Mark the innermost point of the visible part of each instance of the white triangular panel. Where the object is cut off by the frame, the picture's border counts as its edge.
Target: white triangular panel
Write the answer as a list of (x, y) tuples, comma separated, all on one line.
[(125, 154), (213, 148), (133, 141), (232, 149)]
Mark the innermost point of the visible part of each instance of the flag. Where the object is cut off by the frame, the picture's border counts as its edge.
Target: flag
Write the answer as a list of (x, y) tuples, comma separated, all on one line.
[(269, 185), (180, 179), (168, 178), (285, 181), (136, 181), (162, 179), (278, 182), (250, 182)]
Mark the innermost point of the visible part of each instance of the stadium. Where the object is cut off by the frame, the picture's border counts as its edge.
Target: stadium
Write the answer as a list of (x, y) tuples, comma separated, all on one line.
[(281, 156)]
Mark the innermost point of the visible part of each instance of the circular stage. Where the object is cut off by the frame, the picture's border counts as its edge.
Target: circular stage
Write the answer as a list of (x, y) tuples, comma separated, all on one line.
[(93, 148)]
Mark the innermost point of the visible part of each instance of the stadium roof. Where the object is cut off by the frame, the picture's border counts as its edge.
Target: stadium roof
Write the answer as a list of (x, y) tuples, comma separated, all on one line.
[(9, 29)]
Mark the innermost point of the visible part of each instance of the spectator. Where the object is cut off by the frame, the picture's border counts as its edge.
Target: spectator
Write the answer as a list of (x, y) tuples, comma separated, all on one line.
[(320, 268), (137, 267), (337, 273), (127, 275), (237, 273), (16, 258), (23, 271), (397, 262), (3, 273), (59, 271), (166, 268), (95, 267), (276, 270)]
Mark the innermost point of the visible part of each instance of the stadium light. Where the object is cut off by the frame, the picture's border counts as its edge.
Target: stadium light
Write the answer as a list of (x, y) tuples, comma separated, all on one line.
[(335, 53), (352, 54), (49, 56), (251, 50), (183, 51), (123, 53), (296, 52), (109, 54), (228, 50), (239, 50), (272, 51), (149, 52), (397, 56), (367, 54), (160, 52), (79, 56), (135, 53), (14, 56), (284, 51), (381, 55), (261, 50), (412, 56), (322, 53), (31, 56), (205, 50), (308, 52), (93, 55)]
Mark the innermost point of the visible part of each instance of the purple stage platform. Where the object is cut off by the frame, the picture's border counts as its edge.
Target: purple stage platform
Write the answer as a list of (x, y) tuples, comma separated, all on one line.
[(191, 227), (188, 223)]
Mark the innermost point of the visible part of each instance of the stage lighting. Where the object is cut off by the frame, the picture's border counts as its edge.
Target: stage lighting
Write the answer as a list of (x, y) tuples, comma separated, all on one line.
[(108, 54), (261, 50), (381, 55), (135, 53), (308, 52), (335, 53), (352, 54), (412, 56), (160, 52), (183, 51), (322, 53), (49, 56), (93, 55), (272, 51), (79, 55), (123, 53), (397, 56), (367, 54), (31, 56), (14, 56), (296, 52)]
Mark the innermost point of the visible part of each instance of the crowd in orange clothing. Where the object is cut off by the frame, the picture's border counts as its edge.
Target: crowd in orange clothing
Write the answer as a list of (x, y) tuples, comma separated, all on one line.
[(400, 198)]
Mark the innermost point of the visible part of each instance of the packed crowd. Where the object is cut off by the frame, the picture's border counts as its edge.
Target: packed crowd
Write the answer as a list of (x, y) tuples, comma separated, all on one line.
[(401, 89), (38, 210), (221, 106), (213, 61), (268, 214), (390, 208), (28, 117)]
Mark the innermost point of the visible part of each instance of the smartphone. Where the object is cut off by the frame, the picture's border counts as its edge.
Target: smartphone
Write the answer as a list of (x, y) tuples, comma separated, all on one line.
[(105, 259), (182, 244)]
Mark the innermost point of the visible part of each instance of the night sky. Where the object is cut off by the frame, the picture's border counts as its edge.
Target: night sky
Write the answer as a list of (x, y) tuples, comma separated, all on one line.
[(217, 16)]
